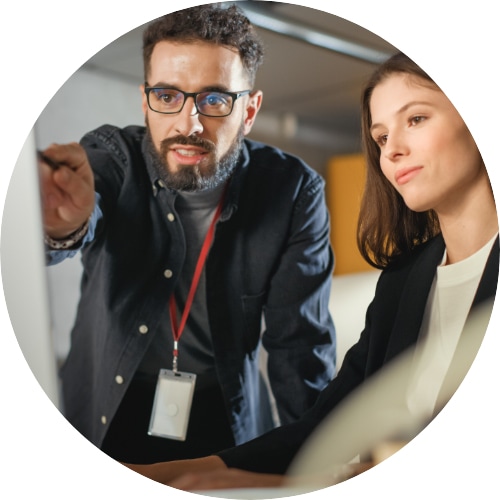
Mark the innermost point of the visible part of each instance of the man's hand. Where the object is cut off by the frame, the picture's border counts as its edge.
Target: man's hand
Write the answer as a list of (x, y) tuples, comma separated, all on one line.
[(207, 473), (226, 479), (67, 192), (167, 472)]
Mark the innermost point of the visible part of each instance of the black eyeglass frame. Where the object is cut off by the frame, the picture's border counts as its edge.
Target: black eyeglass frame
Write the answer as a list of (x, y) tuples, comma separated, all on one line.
[(234, 96)]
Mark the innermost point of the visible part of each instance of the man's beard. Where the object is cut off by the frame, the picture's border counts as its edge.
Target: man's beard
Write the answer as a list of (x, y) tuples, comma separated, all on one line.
[(192, 178)]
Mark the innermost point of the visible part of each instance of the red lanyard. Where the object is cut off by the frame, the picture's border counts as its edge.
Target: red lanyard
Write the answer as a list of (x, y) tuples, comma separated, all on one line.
[(178, 329)]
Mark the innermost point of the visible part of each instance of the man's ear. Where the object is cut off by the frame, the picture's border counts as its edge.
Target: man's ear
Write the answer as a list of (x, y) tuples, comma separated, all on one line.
[(253, 106), (144, 100)]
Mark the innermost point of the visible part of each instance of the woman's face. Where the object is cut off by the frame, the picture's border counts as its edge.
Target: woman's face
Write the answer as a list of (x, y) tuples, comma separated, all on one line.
[(426, 150)]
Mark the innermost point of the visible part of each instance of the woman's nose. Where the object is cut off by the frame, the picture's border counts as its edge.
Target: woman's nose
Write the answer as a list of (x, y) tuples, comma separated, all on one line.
[(395, 146)]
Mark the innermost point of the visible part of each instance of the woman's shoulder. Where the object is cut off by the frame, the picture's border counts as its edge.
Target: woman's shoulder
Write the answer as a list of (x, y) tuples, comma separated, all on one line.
[(424, 255)]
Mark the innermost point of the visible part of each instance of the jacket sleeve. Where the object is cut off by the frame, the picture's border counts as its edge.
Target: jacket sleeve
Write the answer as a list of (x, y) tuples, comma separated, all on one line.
[(54, 257), (299, 334)]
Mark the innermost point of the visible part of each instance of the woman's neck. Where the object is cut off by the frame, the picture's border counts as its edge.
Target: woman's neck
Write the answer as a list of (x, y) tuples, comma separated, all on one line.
[(467, 230)]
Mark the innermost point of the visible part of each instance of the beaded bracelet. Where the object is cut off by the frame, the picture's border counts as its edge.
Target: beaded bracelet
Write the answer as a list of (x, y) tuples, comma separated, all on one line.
[(70, 240)]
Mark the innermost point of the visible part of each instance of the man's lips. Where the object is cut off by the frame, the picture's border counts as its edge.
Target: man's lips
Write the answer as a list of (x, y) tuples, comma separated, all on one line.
[(188, 155), (404, 175)]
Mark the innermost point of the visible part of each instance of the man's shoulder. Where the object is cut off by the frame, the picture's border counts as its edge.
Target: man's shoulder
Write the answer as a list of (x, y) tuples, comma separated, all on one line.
[(112, 151), (276, 173), (262, 155), (113, 137)]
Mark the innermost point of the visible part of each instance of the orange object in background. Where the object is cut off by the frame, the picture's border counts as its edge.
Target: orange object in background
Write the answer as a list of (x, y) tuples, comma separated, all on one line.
[(345, 177)]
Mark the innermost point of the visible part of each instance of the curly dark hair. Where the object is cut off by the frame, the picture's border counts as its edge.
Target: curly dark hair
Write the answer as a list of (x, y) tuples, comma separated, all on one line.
[(209, 23)]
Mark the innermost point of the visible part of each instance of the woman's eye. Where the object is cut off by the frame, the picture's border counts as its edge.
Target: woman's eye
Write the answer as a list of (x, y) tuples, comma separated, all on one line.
[(381, 139), (415, 120)]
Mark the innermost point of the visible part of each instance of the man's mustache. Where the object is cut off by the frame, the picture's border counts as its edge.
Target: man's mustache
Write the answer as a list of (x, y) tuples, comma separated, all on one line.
[(184, 140)]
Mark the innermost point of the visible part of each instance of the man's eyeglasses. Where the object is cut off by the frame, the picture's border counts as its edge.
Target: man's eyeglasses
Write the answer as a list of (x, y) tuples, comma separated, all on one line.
[(212, 103)]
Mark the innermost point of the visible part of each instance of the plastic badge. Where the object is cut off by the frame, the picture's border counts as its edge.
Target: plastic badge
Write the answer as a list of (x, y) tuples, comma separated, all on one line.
[(172, 404)]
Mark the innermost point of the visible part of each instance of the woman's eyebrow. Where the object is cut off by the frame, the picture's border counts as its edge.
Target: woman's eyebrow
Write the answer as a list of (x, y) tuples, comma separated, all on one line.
[(401, 110)]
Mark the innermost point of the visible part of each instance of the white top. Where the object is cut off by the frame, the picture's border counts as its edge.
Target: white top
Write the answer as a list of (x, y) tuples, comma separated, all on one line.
[(448, 305)]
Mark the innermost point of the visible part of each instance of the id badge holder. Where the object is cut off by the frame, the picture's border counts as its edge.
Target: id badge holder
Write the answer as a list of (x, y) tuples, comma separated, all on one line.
[(172, 404)]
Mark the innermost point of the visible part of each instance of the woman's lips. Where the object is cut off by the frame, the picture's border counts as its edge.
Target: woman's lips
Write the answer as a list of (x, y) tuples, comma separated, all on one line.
[(404, 175)]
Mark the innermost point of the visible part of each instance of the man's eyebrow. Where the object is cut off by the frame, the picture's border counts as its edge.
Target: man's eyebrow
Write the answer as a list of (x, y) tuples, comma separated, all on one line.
[(402, 110), (163, 85), (216, 88), (208, 88)]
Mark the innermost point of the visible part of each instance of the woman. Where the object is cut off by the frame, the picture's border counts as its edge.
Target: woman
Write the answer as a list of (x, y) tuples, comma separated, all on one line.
[(428, 219)]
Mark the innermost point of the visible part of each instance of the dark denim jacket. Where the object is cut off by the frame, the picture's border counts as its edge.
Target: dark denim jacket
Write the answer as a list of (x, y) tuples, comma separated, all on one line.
[(269, 270)]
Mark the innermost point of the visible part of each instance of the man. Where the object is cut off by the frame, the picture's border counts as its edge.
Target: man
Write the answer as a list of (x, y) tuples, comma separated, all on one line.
[(198, 247)]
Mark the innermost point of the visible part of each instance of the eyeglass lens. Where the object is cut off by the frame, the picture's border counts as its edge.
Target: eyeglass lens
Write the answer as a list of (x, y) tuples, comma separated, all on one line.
[(207, 103)]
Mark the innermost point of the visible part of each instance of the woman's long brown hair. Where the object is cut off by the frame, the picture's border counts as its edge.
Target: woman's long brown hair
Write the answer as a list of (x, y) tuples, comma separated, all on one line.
[(387, 228)]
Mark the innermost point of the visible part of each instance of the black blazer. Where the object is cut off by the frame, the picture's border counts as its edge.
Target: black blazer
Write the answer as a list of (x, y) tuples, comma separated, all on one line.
[(392, 325)]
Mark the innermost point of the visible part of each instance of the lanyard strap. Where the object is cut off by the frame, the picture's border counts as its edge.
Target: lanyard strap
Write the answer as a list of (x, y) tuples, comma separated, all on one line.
[(178, 329)]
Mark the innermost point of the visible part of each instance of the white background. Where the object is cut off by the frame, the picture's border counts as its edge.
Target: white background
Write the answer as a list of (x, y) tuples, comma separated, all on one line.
[(43, 43)]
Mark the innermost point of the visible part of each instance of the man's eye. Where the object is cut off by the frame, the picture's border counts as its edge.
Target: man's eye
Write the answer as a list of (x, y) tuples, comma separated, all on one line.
[(165, 97), (215, 100)]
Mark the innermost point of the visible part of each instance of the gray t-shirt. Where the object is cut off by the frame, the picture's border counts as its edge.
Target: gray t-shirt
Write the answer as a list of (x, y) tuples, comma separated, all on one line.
[(195, 211)]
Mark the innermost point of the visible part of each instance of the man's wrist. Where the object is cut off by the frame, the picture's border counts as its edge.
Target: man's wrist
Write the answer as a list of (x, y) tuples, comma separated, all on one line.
[(70, 240)]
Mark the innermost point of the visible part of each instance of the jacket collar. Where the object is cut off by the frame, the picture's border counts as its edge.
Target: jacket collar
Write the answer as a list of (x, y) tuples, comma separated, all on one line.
[(236, 183), (488, 285), (414, 297)]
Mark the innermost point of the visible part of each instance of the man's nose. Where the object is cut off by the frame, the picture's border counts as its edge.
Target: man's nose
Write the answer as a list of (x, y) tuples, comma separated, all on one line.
[(188, 119)]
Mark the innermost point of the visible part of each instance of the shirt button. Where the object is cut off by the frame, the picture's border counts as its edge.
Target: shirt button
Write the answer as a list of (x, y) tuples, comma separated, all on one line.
[(171, 217), (104, 420), (143, 329), (168, 273), (119, 379)]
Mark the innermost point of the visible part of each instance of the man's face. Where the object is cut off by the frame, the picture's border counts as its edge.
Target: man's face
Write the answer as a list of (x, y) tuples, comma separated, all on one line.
[(192, 148)]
